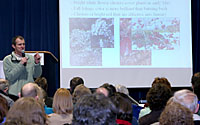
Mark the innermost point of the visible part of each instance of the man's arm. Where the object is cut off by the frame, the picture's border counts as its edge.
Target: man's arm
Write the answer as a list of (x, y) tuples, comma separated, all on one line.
[(12, 71)]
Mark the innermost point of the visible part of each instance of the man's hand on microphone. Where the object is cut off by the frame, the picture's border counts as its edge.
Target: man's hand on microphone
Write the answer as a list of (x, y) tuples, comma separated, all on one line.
[(37, 58), (24, 60)]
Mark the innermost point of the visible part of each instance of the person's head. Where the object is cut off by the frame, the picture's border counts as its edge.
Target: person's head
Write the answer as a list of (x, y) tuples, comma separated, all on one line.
[(79, 91), (18, 44), (122, 89), (32, 90), (42, 82), (103, 91), (158, 96), (176, 114), (62, 102), (196, 84), (75, 82), (94, 109), (161, 80), (26, 111), (4, 85), (111, 89), (3, 108), (186, 98), (124, 106)]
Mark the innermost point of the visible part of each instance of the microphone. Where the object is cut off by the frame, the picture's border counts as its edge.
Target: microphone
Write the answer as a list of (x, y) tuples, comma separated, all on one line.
[(23, 55)]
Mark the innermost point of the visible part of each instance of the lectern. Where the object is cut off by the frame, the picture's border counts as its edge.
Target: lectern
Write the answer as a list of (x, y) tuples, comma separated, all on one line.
[(49, 70)]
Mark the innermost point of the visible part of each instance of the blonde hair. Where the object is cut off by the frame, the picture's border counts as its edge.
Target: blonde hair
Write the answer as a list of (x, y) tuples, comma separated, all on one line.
[(62, 102)]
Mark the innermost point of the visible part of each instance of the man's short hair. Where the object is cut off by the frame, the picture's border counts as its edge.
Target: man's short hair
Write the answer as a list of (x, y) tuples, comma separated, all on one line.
[(94, 109), (14, 39), (3, 84), (186, 98)]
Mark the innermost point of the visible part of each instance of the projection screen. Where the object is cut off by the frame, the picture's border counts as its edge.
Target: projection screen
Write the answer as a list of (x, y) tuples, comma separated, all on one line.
[(127, 42)]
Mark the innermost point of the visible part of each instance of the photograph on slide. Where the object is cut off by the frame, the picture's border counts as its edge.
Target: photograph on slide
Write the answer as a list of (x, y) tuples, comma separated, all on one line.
[(87, 38), (139, 36)]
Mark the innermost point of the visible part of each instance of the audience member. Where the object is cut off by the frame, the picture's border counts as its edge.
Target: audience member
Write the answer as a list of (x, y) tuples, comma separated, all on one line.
[(75, 82), (33, 90), (157, 80), (124, 107), (42, 82), (79, 92), (26, 111), (94, 109), (176, 114), (189, 100), (4, 87), (123, 89), (3, 109), (111, 89), (62, 107), (157, 98), (103, 91), (20, 68)]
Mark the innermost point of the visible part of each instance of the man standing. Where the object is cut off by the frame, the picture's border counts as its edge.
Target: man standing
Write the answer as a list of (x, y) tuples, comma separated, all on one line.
[(20, 68)]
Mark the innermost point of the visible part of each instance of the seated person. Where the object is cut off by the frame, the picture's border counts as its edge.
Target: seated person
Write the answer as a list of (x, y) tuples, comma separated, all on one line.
[(62, 107), (94, 109), (26, 111), (157, 98), (3, 109)]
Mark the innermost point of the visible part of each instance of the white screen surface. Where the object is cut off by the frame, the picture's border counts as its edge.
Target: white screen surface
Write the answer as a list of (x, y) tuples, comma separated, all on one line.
[(127, 42)]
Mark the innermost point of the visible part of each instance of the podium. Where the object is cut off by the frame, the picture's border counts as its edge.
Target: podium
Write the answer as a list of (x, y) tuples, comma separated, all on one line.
[(49, 70)]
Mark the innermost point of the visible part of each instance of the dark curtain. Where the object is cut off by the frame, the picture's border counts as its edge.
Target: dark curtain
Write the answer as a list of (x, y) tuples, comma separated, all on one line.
[(196, 35), (37, 22)]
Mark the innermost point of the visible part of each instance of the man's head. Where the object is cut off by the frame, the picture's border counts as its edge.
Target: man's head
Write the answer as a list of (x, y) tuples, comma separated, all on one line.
[(103, 91), (30, 90), (186, 98), (4, 85), (18, 44)]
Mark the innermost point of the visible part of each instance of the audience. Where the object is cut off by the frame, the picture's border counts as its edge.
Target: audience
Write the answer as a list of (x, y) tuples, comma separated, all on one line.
[(94, 109), (26, 111), (75, 82), (175, 114), (42, 83), (157, 98), (4, 87), (3, 109), (62, 107), (79, 92)]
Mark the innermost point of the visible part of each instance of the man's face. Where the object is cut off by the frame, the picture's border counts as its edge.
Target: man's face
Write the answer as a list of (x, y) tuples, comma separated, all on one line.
[(20, 45)]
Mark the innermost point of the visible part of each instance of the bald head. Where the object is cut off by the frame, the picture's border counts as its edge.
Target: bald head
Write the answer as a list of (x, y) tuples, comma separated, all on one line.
[(29, 90), (103, 91)]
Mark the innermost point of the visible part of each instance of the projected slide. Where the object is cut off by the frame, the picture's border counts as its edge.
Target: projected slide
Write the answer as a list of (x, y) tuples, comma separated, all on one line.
[(126, 42)]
